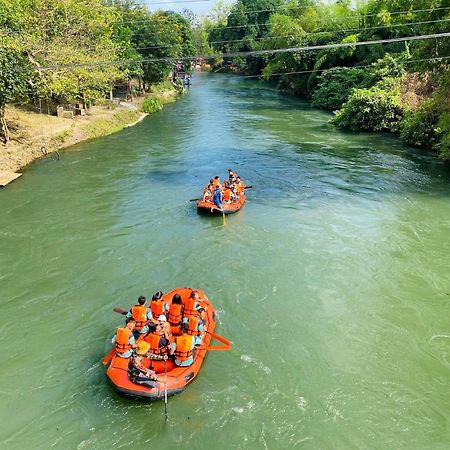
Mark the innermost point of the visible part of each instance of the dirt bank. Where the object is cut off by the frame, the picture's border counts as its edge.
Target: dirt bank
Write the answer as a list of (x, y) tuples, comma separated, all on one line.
[(34, 134)]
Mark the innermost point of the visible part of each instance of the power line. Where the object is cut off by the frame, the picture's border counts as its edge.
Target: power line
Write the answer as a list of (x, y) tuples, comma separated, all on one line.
[(334, 31), (343, 67), (355, 14), (249, 53), (286, 6), (306, 34)]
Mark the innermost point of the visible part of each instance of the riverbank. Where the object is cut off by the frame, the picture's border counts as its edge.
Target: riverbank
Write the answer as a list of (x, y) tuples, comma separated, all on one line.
[(33, 135)]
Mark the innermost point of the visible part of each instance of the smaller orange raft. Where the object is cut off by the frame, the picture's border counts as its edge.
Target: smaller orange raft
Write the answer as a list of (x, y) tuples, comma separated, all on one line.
[(228, 208), (177, 377)]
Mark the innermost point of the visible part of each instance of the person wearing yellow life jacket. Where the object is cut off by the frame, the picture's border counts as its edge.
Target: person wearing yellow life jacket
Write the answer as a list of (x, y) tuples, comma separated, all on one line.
[(158, 306), (191, 305), (137, 371), (142, 315), (183, 348), (159, 344), (176, 314), (124, 339)]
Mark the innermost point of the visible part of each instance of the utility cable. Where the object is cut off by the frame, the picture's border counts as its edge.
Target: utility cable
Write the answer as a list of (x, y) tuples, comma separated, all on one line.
[(437, 59), (249, 53)]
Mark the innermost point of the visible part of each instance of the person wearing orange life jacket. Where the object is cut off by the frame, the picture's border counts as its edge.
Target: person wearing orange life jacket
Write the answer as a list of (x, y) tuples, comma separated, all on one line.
[(191, 305), (142, 315), (216, 182), (124, 339), (176, 314), (227, 193), (158, 306), (159, 344), (196, 326), (239, 186), (165, 327), (183, 348)]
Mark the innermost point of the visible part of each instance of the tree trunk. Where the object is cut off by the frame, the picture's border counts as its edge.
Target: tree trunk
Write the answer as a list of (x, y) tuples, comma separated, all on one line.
[(4, 135)]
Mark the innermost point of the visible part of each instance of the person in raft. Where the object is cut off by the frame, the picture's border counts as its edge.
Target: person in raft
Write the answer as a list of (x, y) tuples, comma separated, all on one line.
[(176, 314), (183, 348), (191, 305), (158, 306), (218, 199), (228, 195), (165, 327), (196, 326), (142, 315), (216, 182), (137, 372), (159, 344), (124, 339), (231, 176)]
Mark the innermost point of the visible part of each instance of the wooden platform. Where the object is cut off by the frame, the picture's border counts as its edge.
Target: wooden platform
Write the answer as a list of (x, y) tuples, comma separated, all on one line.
[(7, 177)]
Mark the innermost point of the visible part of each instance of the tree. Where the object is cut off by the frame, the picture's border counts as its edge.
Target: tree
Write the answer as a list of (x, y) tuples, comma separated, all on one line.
[(14, 73)]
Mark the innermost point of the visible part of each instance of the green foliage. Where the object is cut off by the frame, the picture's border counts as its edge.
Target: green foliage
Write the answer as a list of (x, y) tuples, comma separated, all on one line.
[(14, 72), (336, 85), (372, 109), (151, 105), (429, 126)]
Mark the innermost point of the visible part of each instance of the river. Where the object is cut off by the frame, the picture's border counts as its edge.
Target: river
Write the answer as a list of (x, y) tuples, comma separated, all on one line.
[(332, 282)]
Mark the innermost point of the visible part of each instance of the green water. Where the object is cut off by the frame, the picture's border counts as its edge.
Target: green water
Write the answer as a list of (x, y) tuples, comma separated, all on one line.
[(332, 282)]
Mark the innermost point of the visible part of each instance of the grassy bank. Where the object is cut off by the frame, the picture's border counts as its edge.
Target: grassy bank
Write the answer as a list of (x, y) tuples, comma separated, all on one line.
[(33, 134)]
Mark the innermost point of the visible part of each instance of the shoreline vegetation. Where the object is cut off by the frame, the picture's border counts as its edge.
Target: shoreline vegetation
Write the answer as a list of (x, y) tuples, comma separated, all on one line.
[(66, 65), (34, 135), (359, 67)]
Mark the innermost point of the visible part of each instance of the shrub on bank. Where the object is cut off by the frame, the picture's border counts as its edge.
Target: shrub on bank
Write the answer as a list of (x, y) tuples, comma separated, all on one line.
[(374, 109), (151, 105), (429, 126), (336, 85)]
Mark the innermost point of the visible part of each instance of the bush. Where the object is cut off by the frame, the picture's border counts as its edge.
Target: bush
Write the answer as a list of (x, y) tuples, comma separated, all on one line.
[(418, 128), (336, 85), (151, 105), (371, 109)]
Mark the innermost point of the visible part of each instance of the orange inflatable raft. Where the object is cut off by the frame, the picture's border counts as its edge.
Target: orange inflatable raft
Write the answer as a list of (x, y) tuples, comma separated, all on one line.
[(177, 377), (228, 208)]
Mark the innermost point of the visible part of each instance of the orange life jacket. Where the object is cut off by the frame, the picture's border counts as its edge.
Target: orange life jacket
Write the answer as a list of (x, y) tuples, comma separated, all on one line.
[(240, 187), (189, 307), (192, 326), (184, 348), (216, 182), (157, 307), (139, 314), (227, 195), (153, 339), (175, 311), (122, 338)]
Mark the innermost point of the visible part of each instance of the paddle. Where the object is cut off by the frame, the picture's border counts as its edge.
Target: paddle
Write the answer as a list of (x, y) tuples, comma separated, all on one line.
[(248, 187), (219, 338), (109, 356), (120, 310), (165, 390)]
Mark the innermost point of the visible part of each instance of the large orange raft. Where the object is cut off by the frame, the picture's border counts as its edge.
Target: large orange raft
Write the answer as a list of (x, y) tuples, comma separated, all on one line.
[(177, 377), (228, 208)]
